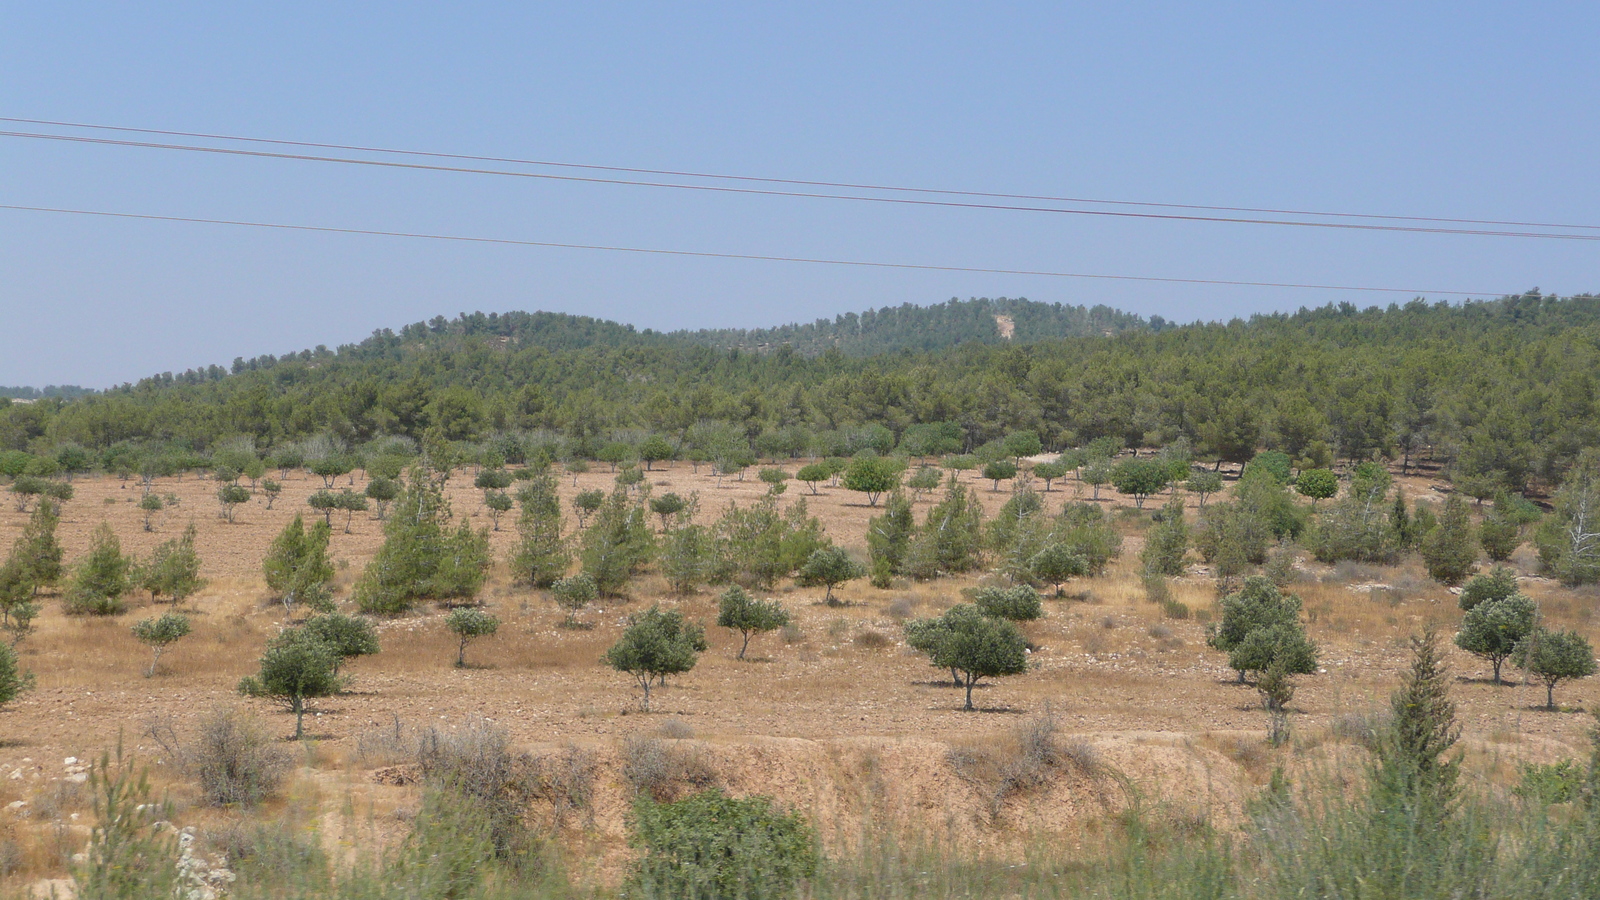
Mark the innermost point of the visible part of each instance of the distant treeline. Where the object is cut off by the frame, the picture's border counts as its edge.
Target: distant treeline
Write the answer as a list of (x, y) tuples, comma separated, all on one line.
[(65, 391), (1505, 392)]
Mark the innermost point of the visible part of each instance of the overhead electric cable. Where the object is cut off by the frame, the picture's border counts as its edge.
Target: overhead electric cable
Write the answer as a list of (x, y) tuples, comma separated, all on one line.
[(796, 181), (233, 151), (742, 256)]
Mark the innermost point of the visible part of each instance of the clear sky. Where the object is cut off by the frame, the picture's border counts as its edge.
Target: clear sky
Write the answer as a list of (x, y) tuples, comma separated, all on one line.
[(1477, 110)]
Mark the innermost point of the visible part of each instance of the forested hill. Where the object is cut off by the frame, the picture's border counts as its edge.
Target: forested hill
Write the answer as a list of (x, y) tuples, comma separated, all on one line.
[(1506, 391), (909, 327)]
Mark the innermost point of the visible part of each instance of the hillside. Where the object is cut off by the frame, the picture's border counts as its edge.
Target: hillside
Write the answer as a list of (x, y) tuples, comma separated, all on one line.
[(1504, 391), (924, 328)]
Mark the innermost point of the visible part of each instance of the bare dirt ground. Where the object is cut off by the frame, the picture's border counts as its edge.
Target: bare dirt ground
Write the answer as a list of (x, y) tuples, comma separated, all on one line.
[(1142, 689)]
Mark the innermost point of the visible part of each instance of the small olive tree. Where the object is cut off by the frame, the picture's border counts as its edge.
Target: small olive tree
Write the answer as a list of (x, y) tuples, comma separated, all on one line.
[(656, 644), (159, 633), (231, 495), (747, 615), (468, 624), (349, 636), (829, 567), (971, 645), (1493, 629), (573, 594), (873, 476), (1552, 657), (297, 666)]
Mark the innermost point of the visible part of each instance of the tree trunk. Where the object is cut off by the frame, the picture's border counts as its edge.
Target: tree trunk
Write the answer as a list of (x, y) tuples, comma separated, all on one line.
[(646, 682), (1497, 681), (461, 655), (299, 708), (970, 682), (1550, 696), (746, 645)]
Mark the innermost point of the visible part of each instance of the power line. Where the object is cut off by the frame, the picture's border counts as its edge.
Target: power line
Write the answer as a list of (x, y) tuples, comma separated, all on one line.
[(769, 192), (328, 229), (795, 181)]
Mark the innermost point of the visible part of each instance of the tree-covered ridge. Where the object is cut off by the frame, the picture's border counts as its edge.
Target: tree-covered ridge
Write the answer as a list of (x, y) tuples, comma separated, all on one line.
[(1506, 389), (922, 328), (24, 392)]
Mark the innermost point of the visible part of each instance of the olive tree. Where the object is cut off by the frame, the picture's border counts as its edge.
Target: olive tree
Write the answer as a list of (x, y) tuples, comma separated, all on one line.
[(655, 449), (150, 504), (297, 666), (666, 506), (1258, 606), (1140, 477), (774, 478), (743, 613), (1498, 584), (231, 495), (498, 503), (1050, 471), (573, 594), (873, 476), (1055, 563), (158, 633), (1552, 657), (468, 624), (654, 645), (923, 480), (999, 470), (829, 567), (971, 645), (584, 504), (1203, 484), (1493, 628), (813, 474), (349, 636)]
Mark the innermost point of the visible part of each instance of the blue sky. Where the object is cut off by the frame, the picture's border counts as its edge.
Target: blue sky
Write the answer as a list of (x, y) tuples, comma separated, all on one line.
[(1481, 110)]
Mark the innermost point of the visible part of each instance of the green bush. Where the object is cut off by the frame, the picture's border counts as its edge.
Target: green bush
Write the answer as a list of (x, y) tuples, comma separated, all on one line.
[(101, 579), (713, 846), (1018, 603), (1547, 783)]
